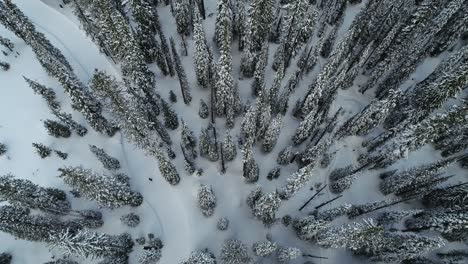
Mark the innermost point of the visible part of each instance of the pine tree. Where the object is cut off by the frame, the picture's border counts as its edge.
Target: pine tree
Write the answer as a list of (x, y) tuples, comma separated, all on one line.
[(199, 257), (107, 190), (168, 170), (274, 173), (189, 141), (201, 53), (56, 129), (130, 220), (223, 25), (285, 255), (172, 97), (171, 120), (451, 224), (285, 156), (182, 14), (223, 224), (448, 197), (184, 86), (3, 149), (233, 251), (20, 223), (264, 248), (203, 111), (258, 82), (229, 148), (22, 192), (5, 258), (272, 133), (264, 206), (206, 200), (150, 255), (310, 227), (88, 244), (42, 150), (143, 12), (250, 169), (107, 161), (295, 182), (7, 43)]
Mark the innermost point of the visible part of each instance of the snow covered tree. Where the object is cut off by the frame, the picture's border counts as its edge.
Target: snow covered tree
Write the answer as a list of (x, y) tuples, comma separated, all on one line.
[(206, 200), (285, 255), (264, 206), (168, 170), (107, 190), (3, 149), (222, 224), (233, 251), (107, 161), (452, 224), (295, 182), (56, 129), (42, 150), (47, 93), (208, 144), (182, 14), (285, 156), (143, 12), (171, 120), (7, 43), (223, 25), (311, 155), (172, 97), (61, 261), (201, 53), (447, 197), (23, 192), (18, 222), (274, 173), (89, 244), (130, 220), (189, 141), (272, 133), (203, 111), (200, 257), (5, 258), (250, 169), (184, 86), (264, 248), (305, 128), (310, 227), (229, 148), (258, 82)]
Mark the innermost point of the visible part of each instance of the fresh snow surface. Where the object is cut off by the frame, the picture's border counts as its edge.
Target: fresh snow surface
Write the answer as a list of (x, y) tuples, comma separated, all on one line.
[(169, 212)]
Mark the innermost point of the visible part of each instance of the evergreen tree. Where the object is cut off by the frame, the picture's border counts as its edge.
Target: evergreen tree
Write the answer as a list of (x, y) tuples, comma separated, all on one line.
[(274, 173), (168, 170), (285, 255), (5, 258), (250, 169), (56, 129), (206, 200), (448, 197), (172, 97), (201, 53), (18, 222), (107, 190), (223, 224), (233, 251), (258, 82), (264, 248), (107, 161), (22, 192), (182, 14), (229, 148), (310, 227), (189, 141), (451, 224), (203, 111), (3, 149), (285, 156), (88, 244), (130, 220), (272, 133), (184, 86), (42, 150), (171, 120), (61, 154), (264, 206), (223, 25), (143, 12), (7, 43), (200, 257), (296, 181)]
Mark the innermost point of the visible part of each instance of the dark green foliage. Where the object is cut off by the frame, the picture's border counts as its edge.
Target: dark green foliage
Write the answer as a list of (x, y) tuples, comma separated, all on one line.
[(131, 219), (61, 154), (42, 150), (5, 258), (172, 97), (56, 129), (107, 161)]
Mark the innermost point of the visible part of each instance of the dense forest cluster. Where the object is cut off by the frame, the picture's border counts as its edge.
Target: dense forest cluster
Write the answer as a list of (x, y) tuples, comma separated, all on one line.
[(269, 77)]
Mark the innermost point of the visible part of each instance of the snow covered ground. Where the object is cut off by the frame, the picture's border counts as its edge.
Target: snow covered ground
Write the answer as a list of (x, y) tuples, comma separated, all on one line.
[(170, 212)]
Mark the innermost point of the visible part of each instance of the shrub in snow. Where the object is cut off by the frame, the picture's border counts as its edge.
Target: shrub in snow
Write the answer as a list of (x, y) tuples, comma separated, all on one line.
[(223, 224), (287, 254), (233, 251), (61, 154), (140, 240), (200, 257), (149, 255), (274, 173), (5, 258), (286, 220), (131, 219), (3, 149), (172, 97), (206, 200), (42, 150), (264, 248), (107, 161), (57, 129), (89, 244), (4, 65), (106, 190)]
